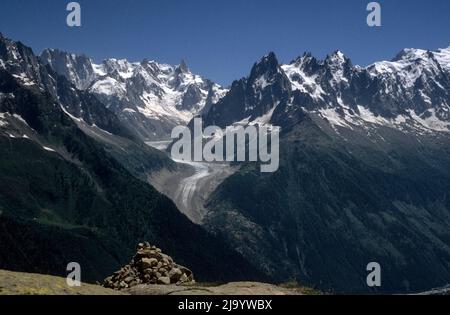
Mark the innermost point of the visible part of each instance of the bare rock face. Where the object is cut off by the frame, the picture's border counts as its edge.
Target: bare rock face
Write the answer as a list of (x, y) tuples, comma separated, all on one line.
[(149, 266)]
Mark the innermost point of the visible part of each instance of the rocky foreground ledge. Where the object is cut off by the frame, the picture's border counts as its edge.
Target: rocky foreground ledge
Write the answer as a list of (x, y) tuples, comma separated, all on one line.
[(19, 283), (150, 272), (232, 288)]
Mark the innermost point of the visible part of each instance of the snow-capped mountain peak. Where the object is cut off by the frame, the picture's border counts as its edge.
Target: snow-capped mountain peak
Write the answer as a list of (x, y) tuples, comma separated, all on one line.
[(336, 59), (121, 67), (411, 54), (410, 92), (77, 68), (183, 67), (150, 96), (266, 66)]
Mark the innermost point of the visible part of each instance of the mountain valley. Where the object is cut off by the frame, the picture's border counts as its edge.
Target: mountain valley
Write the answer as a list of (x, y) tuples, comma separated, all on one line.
[(364, 169)]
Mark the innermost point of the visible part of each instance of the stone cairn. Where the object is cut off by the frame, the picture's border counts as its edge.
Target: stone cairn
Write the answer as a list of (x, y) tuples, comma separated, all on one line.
[(149, 266)]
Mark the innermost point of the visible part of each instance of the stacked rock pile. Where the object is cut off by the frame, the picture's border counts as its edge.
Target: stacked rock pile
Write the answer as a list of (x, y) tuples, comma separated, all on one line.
[(149, 266)]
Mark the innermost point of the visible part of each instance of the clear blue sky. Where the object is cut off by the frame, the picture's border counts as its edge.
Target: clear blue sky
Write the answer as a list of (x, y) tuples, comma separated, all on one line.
[(221, 39)]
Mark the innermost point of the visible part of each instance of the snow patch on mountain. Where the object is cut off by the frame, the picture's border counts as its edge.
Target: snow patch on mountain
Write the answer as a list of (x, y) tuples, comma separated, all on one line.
[(443, 57), (24, 79), (109, 86), (336, 63), (3, 121), (156, 107), (48, 149), (302, 82), (427, 122), (333, 117), (261, 83)]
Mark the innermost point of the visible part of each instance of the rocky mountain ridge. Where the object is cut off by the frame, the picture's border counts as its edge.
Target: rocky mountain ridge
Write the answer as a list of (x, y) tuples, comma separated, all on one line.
[(409, 93), (150, 97)]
